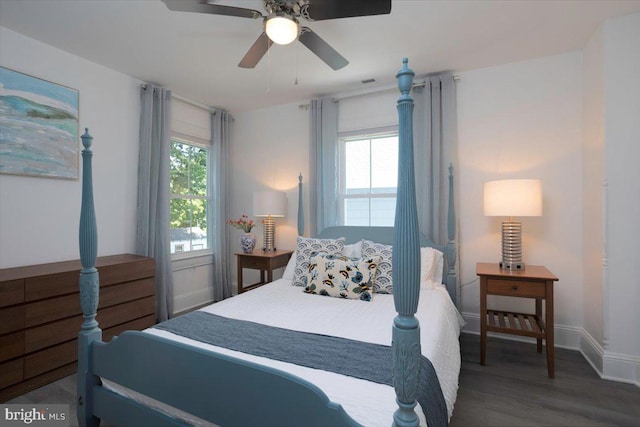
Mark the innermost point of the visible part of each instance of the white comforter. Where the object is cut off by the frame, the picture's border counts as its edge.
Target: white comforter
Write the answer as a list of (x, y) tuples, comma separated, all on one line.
[(282, 305)]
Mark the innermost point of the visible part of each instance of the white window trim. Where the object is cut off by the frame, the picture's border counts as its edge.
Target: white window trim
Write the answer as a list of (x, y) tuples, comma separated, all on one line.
[(343, 137), (198, 142)]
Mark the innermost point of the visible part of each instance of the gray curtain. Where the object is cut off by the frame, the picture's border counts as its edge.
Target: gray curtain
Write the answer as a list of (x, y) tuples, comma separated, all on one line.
[(435, 140), (152, 214), (219, 183), (323, 182)]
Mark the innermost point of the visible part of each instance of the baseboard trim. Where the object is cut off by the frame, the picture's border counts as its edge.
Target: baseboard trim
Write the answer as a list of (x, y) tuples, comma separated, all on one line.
[(621, 368), (608, 365), (592, 351)]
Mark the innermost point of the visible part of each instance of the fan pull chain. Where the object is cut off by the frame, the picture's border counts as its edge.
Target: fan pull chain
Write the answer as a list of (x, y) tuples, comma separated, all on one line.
[(269, 66), (297, 49)]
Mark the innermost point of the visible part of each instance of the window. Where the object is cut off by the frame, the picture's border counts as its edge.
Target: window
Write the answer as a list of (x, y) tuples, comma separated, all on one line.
[(369, 179), (189, 196)]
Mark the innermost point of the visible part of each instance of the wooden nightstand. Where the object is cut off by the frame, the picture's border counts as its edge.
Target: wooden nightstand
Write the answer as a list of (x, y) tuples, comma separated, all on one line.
[(263, 261), (533, 282)]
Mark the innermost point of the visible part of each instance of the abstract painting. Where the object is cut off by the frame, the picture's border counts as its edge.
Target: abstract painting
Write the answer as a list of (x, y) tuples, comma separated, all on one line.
[(38, 127)]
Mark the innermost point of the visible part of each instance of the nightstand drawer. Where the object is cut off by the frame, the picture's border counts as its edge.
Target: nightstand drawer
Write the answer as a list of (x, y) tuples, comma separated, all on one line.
[(516, 288), (256, 263)]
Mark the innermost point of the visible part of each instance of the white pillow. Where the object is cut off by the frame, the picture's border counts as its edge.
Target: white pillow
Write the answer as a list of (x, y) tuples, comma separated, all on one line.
[(431, 266), (353, 250), (290, 268), (438, 271)]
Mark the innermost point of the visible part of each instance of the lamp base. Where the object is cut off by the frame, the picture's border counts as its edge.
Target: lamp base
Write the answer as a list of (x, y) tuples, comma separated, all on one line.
[(512, 266), (269, 235), (512, 246)]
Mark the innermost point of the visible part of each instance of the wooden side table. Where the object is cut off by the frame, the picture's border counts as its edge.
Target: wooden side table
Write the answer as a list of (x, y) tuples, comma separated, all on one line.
[(533, 282), (266, 262)]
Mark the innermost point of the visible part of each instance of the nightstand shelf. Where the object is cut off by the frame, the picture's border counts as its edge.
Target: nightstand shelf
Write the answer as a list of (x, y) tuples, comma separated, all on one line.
[(506, 322)]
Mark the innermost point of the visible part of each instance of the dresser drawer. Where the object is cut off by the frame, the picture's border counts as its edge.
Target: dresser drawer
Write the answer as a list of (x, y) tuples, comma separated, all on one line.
[(11, 373), (520, 288), (11, 345), (12, 319), (11, 292)]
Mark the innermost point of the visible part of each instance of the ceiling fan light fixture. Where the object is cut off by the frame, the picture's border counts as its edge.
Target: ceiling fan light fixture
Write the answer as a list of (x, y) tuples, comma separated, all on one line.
[(282, 29)]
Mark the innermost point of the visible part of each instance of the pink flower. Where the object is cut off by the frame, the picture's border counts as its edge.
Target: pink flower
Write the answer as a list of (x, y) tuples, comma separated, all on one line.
[(243, 223)]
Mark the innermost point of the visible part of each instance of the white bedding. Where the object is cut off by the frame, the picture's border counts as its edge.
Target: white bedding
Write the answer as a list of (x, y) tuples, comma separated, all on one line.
[(282, 305)]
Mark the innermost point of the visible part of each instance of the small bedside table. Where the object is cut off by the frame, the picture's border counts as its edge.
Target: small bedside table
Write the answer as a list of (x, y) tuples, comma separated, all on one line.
[(533, 282), (263, 261)]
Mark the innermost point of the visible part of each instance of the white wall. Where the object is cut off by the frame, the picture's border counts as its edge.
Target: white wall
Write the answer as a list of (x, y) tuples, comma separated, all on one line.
[(39, 216), (524, 120), (592, 186), (622, 151), (270, 148)]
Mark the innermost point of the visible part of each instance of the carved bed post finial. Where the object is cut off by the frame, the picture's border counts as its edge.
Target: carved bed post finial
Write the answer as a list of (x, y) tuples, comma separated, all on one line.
[(300, 208), (406, 265), (89, 288)]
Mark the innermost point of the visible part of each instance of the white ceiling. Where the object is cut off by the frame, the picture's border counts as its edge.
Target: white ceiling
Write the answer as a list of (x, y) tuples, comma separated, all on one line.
[(196, 55)]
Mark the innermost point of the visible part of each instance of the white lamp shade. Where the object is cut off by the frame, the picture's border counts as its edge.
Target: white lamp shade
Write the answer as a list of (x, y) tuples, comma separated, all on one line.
[(269, 203), (281, 30), (513, 197)]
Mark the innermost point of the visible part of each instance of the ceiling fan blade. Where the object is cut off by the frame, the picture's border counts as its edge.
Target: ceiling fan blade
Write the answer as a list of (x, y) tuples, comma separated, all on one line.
[(256, 52), (333, 9), (200, 6), (322, 49)]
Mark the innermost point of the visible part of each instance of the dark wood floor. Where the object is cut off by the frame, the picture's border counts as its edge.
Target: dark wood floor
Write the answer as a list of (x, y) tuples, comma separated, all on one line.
[(511, 390)]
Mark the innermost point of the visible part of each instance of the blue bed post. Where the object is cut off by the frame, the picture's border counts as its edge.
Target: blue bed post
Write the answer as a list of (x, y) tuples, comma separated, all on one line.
[(406, 265), (451, 244), (89, 290), (300, 209)]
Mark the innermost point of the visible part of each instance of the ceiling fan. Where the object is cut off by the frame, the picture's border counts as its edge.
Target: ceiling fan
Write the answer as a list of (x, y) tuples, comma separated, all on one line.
[(281, 22)]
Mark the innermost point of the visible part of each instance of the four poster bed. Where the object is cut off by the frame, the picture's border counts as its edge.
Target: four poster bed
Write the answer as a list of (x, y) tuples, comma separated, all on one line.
[(280, 355)]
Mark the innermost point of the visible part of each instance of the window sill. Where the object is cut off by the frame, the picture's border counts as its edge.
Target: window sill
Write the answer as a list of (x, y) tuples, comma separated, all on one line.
[(178, 256), (192, 259)]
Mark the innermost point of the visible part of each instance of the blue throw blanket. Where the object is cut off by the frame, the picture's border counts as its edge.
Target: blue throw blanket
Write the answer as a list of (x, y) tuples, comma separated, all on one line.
[(371, 362)]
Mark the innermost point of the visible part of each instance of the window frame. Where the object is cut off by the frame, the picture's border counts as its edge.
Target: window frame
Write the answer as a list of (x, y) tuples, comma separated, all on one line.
[(343, 138), (206, 145)]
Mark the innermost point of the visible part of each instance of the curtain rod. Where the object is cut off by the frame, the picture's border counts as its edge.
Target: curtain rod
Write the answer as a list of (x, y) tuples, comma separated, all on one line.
[(187, 100), (386, 89), (373, 91)]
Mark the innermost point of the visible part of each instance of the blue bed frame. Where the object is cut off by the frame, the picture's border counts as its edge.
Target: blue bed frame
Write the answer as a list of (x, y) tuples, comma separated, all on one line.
[(229, 391)]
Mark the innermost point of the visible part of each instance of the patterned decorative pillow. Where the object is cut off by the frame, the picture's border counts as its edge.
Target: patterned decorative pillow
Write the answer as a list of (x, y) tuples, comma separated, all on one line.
[(342, 277), (383, 283), (305, 247)]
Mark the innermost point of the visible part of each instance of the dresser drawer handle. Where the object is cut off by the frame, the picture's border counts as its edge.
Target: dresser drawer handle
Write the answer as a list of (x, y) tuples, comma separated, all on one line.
[(514, 287)]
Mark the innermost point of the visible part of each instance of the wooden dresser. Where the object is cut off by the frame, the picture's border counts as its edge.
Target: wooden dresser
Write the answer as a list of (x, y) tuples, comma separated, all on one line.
[(40, 315)]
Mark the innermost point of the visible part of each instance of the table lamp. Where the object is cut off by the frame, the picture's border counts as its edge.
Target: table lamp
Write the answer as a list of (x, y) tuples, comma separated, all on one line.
[(512, 198), (269, 205)]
